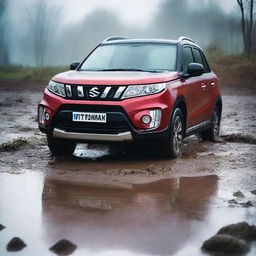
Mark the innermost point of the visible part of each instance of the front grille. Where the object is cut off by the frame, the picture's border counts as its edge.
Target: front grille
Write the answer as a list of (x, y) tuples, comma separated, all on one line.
[(117, 121), (94, 92)]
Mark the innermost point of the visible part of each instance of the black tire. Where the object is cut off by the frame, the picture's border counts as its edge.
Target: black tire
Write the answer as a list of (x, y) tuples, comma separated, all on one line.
[(60, 147), (172, 146), (212, 134)]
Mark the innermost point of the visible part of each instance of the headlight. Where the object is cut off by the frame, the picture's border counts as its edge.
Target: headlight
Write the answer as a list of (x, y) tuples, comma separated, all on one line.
[(142, 90), (57, 88)]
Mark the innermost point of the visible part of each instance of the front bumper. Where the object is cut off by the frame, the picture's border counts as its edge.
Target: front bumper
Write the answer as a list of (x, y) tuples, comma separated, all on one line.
[(124, 118), (120, 137)]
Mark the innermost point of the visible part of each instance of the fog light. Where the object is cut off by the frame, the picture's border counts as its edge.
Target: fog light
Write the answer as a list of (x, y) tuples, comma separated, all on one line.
[(156, 115), (47, 116), (41, 115), (146, 119)]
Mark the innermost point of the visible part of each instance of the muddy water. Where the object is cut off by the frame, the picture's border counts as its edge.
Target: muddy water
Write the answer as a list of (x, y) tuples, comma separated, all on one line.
[(163, 217), (110, 201)]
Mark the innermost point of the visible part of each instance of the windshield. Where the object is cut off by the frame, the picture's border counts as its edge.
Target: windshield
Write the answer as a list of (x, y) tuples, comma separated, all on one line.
[(151, 57)]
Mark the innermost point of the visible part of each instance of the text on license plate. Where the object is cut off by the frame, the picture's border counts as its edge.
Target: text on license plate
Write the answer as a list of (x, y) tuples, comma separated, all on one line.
[(89, 117)]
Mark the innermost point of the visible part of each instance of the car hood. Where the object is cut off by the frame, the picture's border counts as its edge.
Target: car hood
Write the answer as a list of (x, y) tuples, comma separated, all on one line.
[(113, 77)]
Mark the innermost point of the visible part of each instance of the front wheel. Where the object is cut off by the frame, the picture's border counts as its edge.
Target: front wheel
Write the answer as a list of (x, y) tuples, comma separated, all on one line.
[(172, 146), (212, 134), (60, 147)]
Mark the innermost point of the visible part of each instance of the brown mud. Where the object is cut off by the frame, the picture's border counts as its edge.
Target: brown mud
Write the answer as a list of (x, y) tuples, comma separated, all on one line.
[(109, 201)]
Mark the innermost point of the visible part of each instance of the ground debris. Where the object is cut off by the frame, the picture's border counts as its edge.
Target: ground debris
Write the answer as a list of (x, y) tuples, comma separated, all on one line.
[(16, 244), (233, 201), (225, 244), (14, 144), (247, 204), (154, 169), (239, 138), (2, 227), (150, 170), (63, 247), (238, 194)]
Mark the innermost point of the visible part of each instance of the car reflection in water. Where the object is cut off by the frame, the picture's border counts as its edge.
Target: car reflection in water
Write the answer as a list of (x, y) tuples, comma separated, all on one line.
[(152, 218)]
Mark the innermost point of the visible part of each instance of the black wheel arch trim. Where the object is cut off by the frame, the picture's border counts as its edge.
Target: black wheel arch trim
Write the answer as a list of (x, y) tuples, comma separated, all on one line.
[(219, 102), (179, 100)]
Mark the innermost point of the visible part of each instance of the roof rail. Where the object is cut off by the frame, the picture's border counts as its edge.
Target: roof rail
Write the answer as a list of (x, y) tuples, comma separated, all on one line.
[(183, 38), (114, 38)]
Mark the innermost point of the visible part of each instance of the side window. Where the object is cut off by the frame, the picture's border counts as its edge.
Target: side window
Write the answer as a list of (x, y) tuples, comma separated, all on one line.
[(206, 65), (187, 58), (199, 58)]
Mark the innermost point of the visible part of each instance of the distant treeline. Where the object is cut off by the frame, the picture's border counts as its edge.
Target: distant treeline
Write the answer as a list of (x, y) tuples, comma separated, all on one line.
[(43, 38)]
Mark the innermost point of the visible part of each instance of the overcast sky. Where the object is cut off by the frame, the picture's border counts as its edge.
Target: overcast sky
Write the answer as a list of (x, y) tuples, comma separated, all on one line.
[(138, 18), (132, 12)]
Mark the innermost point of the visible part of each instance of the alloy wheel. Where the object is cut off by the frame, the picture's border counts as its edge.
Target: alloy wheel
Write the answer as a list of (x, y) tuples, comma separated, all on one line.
[(177, 135)]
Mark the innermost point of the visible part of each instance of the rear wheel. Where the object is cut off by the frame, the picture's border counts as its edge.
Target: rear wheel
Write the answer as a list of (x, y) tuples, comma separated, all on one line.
[(60, 147), (172, 146), (212, 134)]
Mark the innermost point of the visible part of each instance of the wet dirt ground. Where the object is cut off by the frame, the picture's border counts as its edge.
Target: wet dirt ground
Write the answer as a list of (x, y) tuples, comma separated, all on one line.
[(109, 201)]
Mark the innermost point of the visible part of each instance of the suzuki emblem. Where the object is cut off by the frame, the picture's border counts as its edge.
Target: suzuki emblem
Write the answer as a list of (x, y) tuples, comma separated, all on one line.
[(94, 92)]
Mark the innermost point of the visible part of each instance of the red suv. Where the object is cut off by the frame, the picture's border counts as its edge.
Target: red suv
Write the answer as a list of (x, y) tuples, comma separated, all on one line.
[(130, 90)]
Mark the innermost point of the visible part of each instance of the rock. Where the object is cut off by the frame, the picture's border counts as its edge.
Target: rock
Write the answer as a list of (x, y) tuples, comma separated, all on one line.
[(253, 232), (247, 204), (240, 230), (63, 247), (238, 194), (2, 227), (225, 244), (16, 244), (253, 192)]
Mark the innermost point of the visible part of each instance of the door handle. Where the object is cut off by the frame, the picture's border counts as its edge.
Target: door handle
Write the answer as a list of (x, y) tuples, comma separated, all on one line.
[(203, 86), (213, 84)]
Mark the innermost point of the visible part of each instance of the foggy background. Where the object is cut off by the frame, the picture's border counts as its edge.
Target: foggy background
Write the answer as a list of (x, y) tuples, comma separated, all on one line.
[(55, 33)]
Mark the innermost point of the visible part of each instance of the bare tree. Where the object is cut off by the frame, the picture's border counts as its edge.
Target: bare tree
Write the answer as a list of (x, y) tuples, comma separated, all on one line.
[(4, 51), (247, 22), (43, 22)]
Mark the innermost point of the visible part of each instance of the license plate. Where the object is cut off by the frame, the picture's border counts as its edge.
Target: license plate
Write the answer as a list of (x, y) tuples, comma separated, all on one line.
[(89, 117)]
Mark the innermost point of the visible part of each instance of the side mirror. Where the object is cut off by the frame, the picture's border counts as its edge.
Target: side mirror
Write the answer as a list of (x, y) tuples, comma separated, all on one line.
[(195, 69), (74, 65)]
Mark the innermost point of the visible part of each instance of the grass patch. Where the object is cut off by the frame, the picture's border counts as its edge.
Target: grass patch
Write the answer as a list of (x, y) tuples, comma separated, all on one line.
[(21, 73), (14, 144), (234, 71)]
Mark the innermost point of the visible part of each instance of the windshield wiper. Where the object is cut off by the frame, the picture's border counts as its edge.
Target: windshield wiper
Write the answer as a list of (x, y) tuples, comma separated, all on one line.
[(129, 69)]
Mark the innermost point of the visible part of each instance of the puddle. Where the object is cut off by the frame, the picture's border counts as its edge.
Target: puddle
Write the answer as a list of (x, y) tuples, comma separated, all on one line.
[(162, 217), (109, 201)]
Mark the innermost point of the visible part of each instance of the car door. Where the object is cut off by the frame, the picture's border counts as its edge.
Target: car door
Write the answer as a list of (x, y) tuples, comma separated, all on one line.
[(194, 90), (207, 83)]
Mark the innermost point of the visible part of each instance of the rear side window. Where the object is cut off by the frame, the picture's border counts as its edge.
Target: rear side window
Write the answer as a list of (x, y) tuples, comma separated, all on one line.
[(199, 58), (187, 58), (206, 65)]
